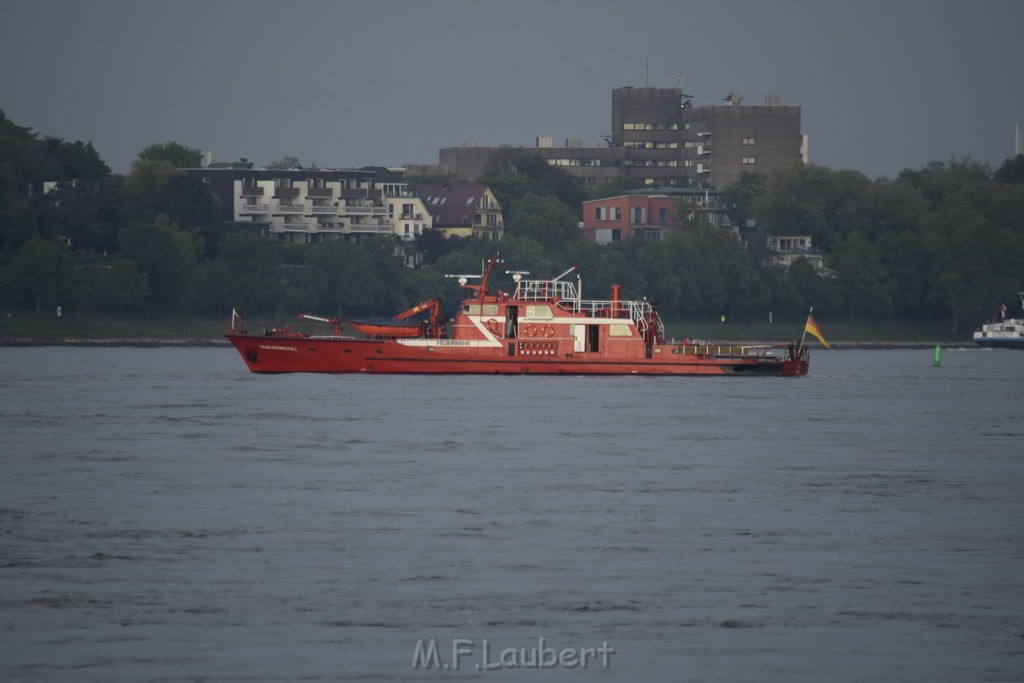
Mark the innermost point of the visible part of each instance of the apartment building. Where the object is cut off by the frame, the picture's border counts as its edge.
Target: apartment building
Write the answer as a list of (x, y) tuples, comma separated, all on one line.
[(309, 206)]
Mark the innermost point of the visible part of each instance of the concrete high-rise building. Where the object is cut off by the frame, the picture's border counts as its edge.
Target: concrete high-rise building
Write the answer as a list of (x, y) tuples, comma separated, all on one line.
[(722, 141), (659, 138)]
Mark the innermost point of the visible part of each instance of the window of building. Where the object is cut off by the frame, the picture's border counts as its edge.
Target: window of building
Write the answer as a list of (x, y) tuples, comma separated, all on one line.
[(599, 213), (617, 213), (638, 214), (748, 142), (748, 160), (616, 234)]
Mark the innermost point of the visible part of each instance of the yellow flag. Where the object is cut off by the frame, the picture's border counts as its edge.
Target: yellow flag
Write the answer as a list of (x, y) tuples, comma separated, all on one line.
[(813, 328)]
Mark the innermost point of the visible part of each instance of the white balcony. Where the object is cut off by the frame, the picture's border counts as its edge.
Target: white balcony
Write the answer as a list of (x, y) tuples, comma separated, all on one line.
[(364, 210), (250, 209), (324, 210), (290, 209), (371, 229)]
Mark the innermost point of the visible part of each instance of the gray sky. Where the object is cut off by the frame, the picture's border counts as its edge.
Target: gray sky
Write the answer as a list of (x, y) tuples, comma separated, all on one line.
[(884, 84)]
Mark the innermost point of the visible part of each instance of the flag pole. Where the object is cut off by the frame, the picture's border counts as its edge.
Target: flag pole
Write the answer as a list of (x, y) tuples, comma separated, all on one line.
[(802, 338)]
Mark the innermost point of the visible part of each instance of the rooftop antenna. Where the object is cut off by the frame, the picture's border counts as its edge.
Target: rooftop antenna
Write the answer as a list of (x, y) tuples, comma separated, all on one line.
[(648, 73)]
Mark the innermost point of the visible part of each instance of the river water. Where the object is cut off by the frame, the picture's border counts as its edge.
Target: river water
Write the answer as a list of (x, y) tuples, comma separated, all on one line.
[(166, 515)]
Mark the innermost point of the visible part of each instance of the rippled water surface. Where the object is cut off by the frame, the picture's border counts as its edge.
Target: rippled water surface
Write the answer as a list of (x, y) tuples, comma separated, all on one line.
[(164, 514)]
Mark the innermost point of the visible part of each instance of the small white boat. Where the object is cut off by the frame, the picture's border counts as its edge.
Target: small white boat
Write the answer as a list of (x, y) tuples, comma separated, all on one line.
[(1004, 334)]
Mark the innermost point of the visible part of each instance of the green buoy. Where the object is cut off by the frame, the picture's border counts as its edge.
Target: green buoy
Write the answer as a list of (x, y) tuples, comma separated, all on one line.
[(938, 355)]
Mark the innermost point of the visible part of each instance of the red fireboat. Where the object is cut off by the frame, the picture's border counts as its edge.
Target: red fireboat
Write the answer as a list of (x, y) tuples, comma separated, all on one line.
[(544, 327)]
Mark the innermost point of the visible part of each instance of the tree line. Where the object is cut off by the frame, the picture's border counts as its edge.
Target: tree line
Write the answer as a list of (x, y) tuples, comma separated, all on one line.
[(942, 242)]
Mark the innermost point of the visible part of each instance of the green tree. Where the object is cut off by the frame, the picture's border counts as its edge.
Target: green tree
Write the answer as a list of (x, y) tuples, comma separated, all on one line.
[(655, 264), (813, 200), (938, 179), (144, 189), (246, 275), (785, 298), (1012, 171), (1001, 203), (975, 264), (169, 258), (44, 272), (89, 215), (156, 187), (365, 278), (119, 286), (173, 153), (905, 257), (71, 161), (20, 157), (887, 207), (284, 163), (432, 245), (815, 289), (543, 218), (18, 225), (742, 194), (861, 277)]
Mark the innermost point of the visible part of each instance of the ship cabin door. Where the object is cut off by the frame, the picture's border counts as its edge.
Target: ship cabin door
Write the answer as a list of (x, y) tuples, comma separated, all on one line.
[(511, 322), (593, 336), (579, 338)]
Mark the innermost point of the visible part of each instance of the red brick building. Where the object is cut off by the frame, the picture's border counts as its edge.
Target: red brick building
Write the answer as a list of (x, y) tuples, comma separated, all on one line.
[(645, 215)]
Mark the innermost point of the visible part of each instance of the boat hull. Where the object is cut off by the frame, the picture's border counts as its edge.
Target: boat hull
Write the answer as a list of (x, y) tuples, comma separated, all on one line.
[(268, 354), (1000, 343)]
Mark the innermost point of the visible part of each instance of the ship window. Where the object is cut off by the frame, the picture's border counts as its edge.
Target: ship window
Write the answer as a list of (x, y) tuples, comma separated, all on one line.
[(490, 309), (471, 309), (620, 330), (538, 312)]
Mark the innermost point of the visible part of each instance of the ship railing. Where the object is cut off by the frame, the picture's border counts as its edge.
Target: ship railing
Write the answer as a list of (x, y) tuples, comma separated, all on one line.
[(541, 290), (701, 348), (607, 308), (637, 311)]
